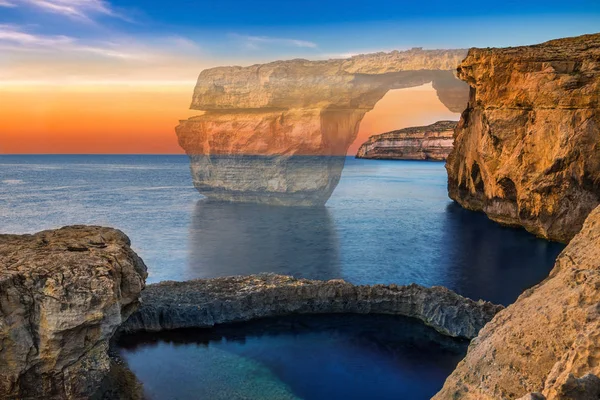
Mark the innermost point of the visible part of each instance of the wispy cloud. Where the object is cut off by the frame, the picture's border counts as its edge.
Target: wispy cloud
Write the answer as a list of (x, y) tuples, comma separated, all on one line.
[(6, 3), (256, 42), (82, 10), (14, 38)]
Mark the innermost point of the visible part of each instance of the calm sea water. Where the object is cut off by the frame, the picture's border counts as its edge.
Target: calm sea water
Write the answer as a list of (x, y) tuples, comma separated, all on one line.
[(387, 222), (303, 357)]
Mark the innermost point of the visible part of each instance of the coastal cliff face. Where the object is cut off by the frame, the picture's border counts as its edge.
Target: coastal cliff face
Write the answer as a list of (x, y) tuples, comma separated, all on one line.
[(64, 293), (204, 303), (432, 142), (527, 148), (548, 341), (260, 123)]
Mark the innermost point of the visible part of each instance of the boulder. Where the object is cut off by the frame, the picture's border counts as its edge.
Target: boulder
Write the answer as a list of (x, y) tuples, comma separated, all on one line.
[(63, 293)]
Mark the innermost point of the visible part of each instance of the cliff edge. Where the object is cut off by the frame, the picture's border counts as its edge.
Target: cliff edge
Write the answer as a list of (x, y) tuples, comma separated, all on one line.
[(527, 148), (431, 142), (548, 341)]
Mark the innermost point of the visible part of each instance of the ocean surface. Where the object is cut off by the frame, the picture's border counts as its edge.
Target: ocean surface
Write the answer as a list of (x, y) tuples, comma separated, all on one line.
[(387, 222)]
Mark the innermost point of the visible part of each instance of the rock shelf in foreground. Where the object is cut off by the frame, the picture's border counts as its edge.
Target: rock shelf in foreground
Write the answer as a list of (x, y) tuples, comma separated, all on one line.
[(206, 302), (63, 293)]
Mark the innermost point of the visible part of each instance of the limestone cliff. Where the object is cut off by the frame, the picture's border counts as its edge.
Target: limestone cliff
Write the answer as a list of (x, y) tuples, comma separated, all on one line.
[(527, 148), (261, 122), (62, 295), (432, 142), (548, 341), (204, 303)]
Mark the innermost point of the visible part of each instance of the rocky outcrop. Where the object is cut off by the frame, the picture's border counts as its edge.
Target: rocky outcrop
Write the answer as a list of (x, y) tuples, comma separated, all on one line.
[(278, 133), (548, 341), (527, 148), (206, 302), (63, 293), (432, 142)]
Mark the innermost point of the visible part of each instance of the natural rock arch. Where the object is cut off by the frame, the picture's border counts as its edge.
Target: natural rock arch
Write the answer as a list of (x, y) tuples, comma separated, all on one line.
[(260, 123)]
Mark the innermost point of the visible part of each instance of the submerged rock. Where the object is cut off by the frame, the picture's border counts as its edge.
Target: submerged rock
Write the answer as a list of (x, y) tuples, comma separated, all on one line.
[(63, 293), (206, 302), (527, 148), (548, 340), (278, 133), (431, 142)]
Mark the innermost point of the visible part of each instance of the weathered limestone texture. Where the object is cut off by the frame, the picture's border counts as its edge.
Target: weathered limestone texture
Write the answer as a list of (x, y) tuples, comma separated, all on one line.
[(527, 148), (431, 142), (63, 293), (205, 302), (548, 341)]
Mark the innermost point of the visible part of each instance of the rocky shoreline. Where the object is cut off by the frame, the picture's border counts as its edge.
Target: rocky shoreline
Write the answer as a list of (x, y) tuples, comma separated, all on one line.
[(204, 303), (431, 142), (547, 342)]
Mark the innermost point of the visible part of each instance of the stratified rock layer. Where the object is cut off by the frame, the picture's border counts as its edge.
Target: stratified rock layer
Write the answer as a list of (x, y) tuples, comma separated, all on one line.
[(527, 148), (62, 295), (261, 122), (548, 341), (432, 142), (206, 302)]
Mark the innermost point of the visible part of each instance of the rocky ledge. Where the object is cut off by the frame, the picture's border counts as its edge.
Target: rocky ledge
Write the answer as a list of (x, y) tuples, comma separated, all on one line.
[(63, 293), (548, 342), (206, 302), (527, 148), (431, 142)]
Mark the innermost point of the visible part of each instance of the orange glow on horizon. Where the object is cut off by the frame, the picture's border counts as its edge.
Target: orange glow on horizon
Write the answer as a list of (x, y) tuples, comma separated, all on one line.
[(92, 120), (402, 108), (122, 119)]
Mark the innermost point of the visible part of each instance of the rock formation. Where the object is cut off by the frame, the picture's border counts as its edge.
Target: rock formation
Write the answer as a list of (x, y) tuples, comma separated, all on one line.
[(278, 133), (63, 293), (205, 302), (548, 341), (432, 142), (527, 148)]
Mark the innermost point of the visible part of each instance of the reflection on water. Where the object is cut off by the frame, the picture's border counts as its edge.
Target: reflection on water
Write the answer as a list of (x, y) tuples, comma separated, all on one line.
[(245, 238), (301, 357), (486, 260), (386, 222)]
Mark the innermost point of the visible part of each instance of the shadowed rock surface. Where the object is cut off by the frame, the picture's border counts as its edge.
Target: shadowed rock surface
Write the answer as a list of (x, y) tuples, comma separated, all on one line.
[(63, 294), (278, 133), (431, 142), (206, 302), (527, 148), (548, 341)]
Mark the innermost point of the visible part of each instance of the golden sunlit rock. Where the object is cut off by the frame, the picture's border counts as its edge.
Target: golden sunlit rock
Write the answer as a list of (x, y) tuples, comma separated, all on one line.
[(278, 133)]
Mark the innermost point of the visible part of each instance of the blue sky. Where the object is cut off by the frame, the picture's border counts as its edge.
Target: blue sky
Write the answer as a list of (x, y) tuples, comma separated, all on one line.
[(173, 40)]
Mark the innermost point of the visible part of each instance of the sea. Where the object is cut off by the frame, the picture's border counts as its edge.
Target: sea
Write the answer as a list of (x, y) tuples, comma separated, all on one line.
[(386, 222)]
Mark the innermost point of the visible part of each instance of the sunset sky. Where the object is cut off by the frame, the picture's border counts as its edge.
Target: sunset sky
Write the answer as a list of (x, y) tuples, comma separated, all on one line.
[(93, 76)]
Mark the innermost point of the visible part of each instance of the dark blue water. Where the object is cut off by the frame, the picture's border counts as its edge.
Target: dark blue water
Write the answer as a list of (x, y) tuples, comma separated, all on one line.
[(387, 222), (303, 357)]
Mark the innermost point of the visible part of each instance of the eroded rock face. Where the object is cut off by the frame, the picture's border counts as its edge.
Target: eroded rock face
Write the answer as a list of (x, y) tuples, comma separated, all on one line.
[(432, 142), (63, 294), (548, 341), (205, 302), (527, 148), (261, 122)]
